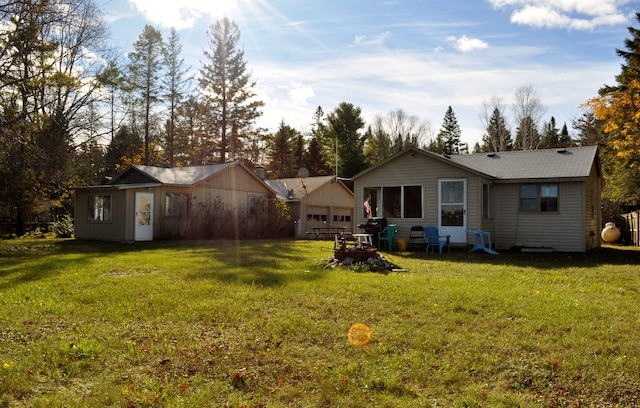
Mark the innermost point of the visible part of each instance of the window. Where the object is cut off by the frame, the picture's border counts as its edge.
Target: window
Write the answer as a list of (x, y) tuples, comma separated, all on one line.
[(394, 201), (341, 218), (487, 202), (253, 205), (549, 198), (412, 202), (176, 205), (100, 208), (539, 197), (391, 202)]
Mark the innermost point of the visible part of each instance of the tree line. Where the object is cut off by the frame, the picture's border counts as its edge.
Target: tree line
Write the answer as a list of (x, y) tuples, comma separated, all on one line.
[(75, 112)]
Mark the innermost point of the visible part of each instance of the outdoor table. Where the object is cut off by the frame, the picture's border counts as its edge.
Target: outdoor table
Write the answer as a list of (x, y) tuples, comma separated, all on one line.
[(479, 241), (324, 231), (363, 239)]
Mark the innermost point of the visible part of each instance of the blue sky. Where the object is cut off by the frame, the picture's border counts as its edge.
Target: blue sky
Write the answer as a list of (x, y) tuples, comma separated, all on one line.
[(416, 55)]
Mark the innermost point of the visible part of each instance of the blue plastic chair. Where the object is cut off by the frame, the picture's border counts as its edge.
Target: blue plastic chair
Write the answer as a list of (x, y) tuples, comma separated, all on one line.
[(387, 236), (435, 240)]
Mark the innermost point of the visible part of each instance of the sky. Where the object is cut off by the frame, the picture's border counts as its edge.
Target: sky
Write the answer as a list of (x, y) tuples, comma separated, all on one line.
[(420, 56)]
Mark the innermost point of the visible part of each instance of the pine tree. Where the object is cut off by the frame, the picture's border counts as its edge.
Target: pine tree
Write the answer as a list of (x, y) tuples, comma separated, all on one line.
[(497, 137), (565, 139), (176, 84), (551, 135), (343, 128), (282, 163), (590, 132), (527, 136), (224, 81), (145, 67), (450, 133)]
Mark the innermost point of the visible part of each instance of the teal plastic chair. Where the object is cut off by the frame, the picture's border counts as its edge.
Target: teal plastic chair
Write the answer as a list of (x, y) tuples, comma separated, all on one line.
[(435, 240), (387, 237)]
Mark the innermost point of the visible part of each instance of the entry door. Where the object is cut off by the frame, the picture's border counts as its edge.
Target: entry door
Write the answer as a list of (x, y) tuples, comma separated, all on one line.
[(144, 217), (452, 207)]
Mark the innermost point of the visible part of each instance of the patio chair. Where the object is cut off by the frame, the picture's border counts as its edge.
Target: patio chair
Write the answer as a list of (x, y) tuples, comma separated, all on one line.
[(435, 240), (416, 237), (387, 236)]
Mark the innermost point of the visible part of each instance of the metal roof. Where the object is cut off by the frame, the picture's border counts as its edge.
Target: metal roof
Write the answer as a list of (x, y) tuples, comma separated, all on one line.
[(186, 176), (294, 189)]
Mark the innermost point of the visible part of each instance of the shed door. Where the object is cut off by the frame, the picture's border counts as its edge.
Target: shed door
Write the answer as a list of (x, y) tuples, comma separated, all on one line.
[(144, 217), (452, 207)]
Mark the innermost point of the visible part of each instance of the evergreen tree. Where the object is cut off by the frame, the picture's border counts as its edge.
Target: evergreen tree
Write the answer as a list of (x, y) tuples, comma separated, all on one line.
[(450, 133), (315, 161), (145, 66), (551, 135), (497, 137), (343, 128), (378, 144), (224, 81), (528, 111), (176, 84), (617, 107), (125, 149), (282, 163), (590, 132), (527, 136), (565, 138)]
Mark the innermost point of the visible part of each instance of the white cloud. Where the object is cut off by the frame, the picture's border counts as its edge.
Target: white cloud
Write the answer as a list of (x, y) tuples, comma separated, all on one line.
[(183, 13), (376, 40), (569, 14), (299, 95), (466, 44), (424, 84)]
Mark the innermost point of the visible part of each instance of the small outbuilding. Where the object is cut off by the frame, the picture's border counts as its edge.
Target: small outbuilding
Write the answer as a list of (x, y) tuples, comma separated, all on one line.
[(530, 199), (316, 202), (146, 202)]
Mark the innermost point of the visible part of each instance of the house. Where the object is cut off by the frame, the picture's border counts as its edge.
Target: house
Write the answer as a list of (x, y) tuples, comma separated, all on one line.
[(145, 203), (533, 199), (316, 202)]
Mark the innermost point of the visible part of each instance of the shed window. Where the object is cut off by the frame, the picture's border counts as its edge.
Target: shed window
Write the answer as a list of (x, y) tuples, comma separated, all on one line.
[(176, 205), (253, 205), (539, 197), (100, 208)]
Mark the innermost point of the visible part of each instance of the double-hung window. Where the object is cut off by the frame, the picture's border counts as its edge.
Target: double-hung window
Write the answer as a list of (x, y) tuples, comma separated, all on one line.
[(539, 197)]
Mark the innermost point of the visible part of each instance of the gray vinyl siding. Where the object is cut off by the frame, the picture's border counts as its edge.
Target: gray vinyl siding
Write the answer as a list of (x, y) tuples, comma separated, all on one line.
[(562, 230)]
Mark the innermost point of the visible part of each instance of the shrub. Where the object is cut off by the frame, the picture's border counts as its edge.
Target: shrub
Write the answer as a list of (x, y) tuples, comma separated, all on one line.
[(63, 228)]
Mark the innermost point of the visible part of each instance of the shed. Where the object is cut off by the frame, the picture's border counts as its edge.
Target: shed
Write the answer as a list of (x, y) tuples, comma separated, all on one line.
[(146, 202)]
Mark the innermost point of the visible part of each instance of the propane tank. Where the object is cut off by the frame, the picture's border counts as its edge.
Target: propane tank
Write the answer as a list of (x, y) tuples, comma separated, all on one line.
[(610, 233)]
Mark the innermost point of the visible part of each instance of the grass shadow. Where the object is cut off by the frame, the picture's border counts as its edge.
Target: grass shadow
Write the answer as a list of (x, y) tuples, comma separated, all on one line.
[(606, 255)]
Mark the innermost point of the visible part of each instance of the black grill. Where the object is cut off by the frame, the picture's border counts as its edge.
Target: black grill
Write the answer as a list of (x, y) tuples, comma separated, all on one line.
[(373, 226)]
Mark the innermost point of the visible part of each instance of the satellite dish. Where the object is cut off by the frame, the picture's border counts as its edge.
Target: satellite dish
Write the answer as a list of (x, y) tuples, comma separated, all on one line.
[(303, 172)]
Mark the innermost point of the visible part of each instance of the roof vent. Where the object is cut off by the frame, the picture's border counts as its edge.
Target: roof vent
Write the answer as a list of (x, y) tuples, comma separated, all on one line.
[(492, 154), (563, 150)]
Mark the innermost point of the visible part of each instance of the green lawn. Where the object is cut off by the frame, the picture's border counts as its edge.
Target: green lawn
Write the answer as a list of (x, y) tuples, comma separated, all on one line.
[(262, 324)]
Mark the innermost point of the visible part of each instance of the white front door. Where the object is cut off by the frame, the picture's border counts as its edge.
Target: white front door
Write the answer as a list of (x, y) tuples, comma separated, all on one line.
[(144, 217), (452, 207)]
